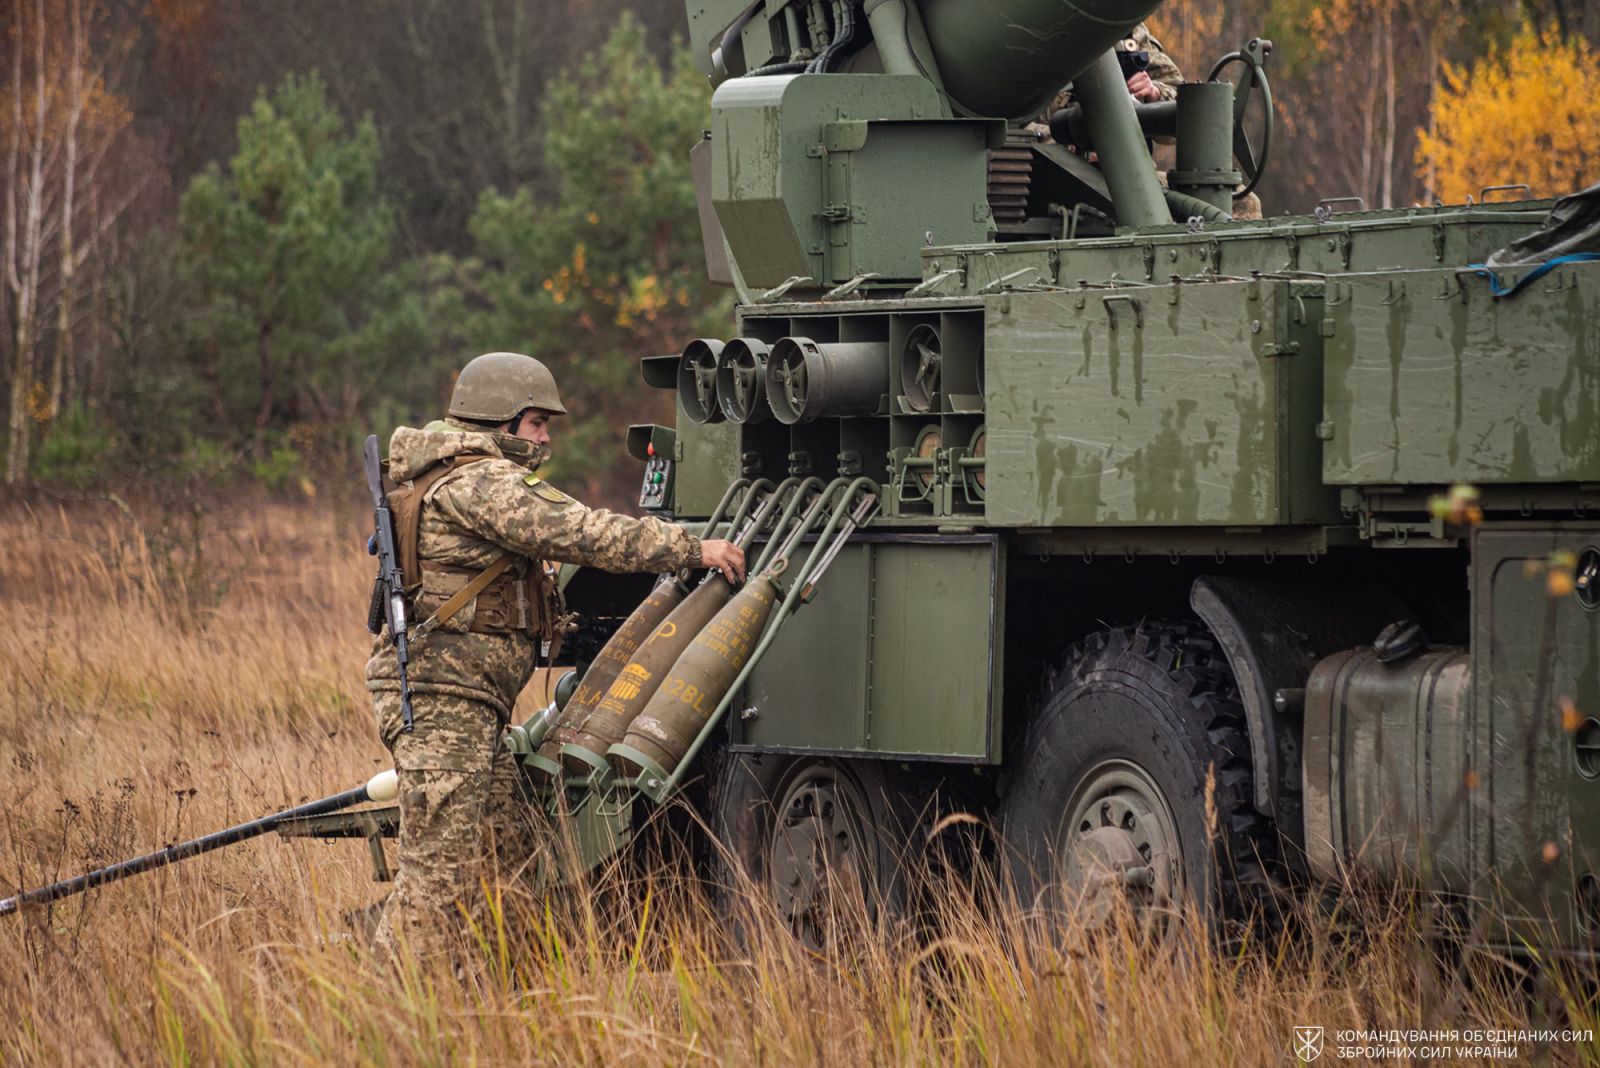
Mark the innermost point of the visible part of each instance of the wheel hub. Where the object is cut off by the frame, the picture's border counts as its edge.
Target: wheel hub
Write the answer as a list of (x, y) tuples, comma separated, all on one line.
[(1119, 845), (818, 848)]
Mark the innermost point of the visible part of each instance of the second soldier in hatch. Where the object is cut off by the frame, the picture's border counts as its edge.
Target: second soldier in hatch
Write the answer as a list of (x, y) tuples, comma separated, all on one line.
[(476, 527), (1157, 83)]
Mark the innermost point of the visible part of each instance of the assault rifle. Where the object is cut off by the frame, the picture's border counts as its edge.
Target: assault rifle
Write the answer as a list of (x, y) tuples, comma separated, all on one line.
[(388, 589)]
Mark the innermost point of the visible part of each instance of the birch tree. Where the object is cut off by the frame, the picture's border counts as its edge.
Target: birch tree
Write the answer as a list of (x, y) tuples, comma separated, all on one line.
[(60, 124)]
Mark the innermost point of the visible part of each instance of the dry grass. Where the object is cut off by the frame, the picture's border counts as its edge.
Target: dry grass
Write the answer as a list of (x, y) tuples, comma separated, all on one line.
[(144, 698)]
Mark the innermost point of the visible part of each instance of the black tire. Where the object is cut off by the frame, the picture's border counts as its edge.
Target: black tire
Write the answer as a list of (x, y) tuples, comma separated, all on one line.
[(1134, 719), (785, 824)]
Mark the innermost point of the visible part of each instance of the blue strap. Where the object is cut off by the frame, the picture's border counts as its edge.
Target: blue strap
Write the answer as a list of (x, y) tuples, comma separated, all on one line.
[(1498, 288)]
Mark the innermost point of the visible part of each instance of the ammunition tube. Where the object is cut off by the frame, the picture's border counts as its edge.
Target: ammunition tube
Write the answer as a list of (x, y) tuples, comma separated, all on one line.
[(697, 381), (921, 360), (807, 380), (742, 381)]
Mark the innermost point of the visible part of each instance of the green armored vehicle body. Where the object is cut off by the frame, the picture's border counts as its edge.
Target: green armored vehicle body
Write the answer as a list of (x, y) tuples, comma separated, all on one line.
[(1176, 575)]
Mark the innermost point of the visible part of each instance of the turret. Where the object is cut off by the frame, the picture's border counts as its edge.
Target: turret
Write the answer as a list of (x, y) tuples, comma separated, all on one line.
[(848, 135)]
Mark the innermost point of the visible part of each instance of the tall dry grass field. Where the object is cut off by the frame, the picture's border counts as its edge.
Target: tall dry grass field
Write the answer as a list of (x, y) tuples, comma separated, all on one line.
[(157, 683)]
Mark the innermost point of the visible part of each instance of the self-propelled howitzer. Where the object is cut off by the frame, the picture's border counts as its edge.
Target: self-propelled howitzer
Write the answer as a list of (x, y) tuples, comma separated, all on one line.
[(1237, 550), (1207, 553)]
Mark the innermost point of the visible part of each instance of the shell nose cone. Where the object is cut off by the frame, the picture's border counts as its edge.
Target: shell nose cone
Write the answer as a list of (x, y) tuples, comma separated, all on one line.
[(384, 786)]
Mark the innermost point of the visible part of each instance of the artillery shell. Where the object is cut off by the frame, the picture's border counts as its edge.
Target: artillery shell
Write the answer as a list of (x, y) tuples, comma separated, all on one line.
[(699, 680), (638, 679), (666, 596)]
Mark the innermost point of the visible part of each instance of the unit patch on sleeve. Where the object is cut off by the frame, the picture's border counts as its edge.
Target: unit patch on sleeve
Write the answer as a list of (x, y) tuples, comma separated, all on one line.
[(545, 490)]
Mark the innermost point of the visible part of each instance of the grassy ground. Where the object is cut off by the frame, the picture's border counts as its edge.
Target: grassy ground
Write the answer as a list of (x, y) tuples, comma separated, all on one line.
[(158, 681)]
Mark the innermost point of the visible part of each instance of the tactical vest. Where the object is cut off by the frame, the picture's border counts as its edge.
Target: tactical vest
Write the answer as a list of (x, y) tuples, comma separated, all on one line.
[(518, 596)]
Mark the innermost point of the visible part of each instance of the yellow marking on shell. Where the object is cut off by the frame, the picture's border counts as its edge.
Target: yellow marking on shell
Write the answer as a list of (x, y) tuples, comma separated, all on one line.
[(629, 683)]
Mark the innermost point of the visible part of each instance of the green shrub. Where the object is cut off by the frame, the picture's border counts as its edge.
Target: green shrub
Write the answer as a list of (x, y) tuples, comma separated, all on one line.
[(281, 468), (76, 450)]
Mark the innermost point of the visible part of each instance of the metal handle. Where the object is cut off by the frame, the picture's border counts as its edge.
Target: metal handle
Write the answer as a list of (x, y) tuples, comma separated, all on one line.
[(1123, 298), (1516, 187)]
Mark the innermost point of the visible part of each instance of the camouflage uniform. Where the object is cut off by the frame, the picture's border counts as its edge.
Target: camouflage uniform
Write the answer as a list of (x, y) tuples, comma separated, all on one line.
[(461, 817), (1163, 69)]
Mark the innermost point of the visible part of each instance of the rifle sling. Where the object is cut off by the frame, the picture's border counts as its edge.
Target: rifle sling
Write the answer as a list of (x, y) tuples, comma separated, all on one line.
[(467, 594)]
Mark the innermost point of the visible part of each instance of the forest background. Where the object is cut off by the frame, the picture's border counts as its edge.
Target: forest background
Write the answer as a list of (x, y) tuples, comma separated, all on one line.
[(240, 235)]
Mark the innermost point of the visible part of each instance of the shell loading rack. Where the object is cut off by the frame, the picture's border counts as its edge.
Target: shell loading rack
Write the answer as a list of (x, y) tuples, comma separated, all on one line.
[(634, 723), (658, 690)]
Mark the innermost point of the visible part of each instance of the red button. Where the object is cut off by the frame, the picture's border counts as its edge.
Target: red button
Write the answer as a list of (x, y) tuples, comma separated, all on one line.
[(650, 449)]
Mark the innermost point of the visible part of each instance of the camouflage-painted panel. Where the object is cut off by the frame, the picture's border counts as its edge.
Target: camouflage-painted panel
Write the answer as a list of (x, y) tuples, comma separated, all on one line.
[(1429, 379), (708, 459), (1416, 240), (878, 663), (811, 688), (825, 176), (1535, 812), (1191, 404)]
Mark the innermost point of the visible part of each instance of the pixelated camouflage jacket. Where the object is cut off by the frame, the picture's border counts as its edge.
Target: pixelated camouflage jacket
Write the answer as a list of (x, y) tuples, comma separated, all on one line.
[(1164, 70), (468, 520)]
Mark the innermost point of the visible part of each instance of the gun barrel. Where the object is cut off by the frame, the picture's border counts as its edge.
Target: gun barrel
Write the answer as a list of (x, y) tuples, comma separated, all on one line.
[(381, 787), (370, 462)]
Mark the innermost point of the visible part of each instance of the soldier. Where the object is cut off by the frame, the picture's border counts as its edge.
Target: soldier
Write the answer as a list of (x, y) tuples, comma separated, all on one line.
[(1158, 82), (467, 506), (1161, 79)]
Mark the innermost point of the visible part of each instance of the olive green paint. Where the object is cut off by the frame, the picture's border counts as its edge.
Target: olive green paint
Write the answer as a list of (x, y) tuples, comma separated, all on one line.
[(708, 459), (1007, 58), (905, 671), (1430, 379), (1415, 239), (1233, 390), (827, 176), (1536, 819), (1185, 405)]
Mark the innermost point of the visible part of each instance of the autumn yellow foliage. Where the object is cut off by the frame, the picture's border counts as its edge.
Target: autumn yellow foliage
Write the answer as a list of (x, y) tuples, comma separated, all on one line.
[(1528, 114)]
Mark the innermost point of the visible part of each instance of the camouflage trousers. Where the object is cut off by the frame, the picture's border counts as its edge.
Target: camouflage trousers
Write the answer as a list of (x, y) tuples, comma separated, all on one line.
[(465, 828)]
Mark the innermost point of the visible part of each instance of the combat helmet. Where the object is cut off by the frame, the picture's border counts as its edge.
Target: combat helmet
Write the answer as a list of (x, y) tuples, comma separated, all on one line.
[(497, 386)]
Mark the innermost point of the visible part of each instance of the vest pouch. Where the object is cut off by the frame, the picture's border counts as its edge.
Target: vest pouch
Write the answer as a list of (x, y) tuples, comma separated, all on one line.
[(511, 606), (438, 585)]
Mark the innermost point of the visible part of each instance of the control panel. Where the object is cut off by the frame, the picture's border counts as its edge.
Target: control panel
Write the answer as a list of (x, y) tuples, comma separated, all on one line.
[(656, 446), (657, 489)]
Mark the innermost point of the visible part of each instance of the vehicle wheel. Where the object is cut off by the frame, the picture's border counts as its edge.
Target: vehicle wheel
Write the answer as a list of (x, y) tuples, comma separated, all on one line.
[(1107, 801), (811, 834)]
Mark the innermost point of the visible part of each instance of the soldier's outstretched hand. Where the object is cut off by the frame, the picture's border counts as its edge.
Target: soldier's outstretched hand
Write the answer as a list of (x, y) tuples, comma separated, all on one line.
[(726, 556)]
